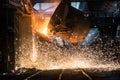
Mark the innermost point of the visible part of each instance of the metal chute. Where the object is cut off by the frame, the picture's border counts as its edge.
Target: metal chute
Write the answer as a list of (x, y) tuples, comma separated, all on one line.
[(69, 23)]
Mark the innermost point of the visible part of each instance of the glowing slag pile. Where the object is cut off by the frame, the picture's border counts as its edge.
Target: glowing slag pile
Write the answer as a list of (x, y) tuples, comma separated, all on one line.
[(48, 55)]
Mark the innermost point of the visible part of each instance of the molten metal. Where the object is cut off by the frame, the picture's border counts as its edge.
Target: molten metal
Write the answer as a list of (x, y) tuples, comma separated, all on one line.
[(40, 26)]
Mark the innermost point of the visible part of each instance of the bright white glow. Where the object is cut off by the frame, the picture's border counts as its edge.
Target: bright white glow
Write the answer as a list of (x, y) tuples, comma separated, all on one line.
[(44, 31)]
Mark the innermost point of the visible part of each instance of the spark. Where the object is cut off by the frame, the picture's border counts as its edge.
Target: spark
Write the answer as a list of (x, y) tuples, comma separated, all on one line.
[(51, 56), (34, 54)]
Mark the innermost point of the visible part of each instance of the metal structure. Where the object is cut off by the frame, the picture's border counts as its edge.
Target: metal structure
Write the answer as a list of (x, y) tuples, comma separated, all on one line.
[(69, 23), (16, 26)]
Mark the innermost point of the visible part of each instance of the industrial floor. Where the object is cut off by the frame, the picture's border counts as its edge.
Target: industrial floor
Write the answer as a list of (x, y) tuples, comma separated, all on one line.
[(63, 74)]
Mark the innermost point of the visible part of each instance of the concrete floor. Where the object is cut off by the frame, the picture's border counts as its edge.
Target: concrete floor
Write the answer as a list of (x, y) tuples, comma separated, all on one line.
[(67, 74)]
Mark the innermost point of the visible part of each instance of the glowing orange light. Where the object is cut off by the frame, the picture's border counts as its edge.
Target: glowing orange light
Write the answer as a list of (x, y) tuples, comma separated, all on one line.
[(44, 29), (40, 26)]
